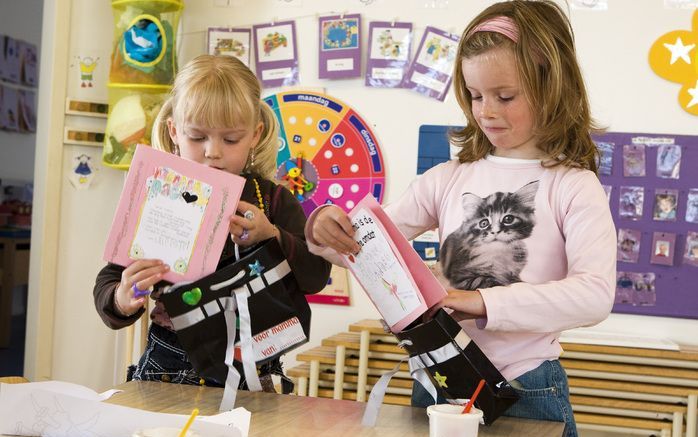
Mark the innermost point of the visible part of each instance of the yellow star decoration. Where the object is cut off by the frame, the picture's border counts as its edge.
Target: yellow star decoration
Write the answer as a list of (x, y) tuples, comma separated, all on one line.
[(441, 380), (674, 57)]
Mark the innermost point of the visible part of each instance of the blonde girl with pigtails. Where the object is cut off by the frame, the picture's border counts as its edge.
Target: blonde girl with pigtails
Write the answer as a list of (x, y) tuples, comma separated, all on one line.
[(215, 116)]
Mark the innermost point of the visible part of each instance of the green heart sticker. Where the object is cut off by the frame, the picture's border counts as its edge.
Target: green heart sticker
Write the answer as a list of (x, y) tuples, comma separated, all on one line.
[(192, 297)]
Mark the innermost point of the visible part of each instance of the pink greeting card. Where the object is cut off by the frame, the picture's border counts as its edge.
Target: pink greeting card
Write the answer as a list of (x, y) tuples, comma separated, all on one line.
[(396, 279), (174, 210)]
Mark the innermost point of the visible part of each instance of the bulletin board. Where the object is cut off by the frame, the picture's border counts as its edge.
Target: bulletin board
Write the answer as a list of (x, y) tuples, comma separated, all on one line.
[(670, 290)]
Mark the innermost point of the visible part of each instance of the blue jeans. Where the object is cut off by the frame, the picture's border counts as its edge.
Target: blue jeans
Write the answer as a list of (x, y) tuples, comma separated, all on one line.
[(543, 395)]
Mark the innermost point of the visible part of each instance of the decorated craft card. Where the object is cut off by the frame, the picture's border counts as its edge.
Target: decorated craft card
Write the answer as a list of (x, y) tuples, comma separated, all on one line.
[(225, 41), (398, 282), (340, 49), (388, 53), (174, 210), (276, 56), (431, 71)]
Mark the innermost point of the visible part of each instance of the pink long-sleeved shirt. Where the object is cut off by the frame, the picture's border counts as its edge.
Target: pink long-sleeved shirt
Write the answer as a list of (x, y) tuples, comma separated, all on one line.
[(539, 243)]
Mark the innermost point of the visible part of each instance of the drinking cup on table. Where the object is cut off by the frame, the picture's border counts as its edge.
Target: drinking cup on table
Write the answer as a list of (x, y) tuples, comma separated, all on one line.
[(446, 420)]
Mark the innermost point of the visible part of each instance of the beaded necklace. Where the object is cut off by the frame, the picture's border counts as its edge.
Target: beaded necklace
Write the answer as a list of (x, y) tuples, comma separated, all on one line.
[(259, 194)]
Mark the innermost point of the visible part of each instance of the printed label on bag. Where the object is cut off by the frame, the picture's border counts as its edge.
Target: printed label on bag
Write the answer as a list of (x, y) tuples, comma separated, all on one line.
[(275, 340)]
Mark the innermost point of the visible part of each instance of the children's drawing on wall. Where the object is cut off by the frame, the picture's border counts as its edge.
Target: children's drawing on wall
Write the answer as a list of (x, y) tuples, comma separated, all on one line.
[(665, 202), (634, 160), (629, 245), (86, 69), (672, 56), (605, 157), (340, 34), (275, 43), (644, 289), (9, 59), (692, 206), (390, 44), (29, 61), (690, 256), (668, 161), (27, 111), (230, 42), (608, 189), (438, 53), (630, 204), (83, 171)]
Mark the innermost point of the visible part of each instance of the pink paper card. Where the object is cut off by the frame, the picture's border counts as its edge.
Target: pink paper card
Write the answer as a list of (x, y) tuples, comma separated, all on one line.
[(174, 210), (396, 279)]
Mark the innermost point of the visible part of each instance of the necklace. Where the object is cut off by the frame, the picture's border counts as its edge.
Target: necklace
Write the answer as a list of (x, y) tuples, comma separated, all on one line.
[(259, 194)]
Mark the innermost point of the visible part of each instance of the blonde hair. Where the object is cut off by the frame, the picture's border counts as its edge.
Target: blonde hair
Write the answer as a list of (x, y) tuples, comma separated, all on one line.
[(551, 79), (215, 92)]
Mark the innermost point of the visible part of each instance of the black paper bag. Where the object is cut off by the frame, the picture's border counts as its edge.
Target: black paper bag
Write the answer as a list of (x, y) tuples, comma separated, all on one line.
[(456, 364), (197, 311)]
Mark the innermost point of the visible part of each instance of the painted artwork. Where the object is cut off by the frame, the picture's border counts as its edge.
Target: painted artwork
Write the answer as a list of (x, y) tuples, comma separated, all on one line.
[(230, 42)]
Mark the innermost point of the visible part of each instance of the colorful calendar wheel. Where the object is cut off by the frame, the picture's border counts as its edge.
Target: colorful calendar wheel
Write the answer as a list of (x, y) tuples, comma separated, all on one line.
[(327, 152)]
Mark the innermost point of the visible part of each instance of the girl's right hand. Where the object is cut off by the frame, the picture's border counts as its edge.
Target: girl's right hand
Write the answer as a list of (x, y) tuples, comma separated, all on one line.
[(332, 228), (144, 273)]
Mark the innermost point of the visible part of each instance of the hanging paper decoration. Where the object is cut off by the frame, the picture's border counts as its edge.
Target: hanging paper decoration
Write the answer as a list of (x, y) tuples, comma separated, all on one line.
[(233, 42), (327, 152), (674, 57), (143, 66), (432, 68), (84, 170), (340, 50), (276, 56), (388, 53)]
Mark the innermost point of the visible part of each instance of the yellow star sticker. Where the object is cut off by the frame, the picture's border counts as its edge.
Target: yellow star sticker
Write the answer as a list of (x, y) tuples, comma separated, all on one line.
[(674, 56), (441, 380)]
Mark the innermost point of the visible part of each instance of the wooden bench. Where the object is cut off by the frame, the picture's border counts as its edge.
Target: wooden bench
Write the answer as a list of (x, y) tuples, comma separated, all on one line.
[(624, 390)]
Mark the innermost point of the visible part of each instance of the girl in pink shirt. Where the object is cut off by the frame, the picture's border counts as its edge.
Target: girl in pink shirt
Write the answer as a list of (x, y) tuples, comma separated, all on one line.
[(528, 244)]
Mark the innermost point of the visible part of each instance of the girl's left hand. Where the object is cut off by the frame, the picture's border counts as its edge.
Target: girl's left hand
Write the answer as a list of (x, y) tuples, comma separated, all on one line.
[(465, 305), (251, 226)]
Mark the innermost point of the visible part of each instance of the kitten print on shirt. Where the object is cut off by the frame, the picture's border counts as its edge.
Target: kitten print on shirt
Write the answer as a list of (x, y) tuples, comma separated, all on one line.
[(488, 248)]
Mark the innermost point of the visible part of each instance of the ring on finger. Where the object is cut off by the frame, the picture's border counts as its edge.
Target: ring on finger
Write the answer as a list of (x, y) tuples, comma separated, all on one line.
[(245, 235), (137, 292), (249, 215)]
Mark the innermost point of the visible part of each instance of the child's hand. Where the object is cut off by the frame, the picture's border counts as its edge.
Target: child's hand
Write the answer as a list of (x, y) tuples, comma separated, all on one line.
[(139, 277), (465, 305), (251, 226), (332, 228)]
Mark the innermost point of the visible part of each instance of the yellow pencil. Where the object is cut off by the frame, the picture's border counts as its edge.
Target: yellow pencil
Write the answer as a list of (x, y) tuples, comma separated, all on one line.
[(194, 413)]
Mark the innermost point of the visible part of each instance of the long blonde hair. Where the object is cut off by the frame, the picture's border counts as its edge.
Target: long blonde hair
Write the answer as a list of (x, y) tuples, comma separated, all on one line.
[(215, 92), (551, 79)]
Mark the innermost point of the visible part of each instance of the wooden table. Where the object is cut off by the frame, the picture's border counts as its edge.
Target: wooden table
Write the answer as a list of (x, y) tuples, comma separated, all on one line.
[(285, 415), (15, 271)]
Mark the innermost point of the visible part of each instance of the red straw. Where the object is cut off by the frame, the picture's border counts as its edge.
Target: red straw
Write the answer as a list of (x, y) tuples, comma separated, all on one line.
[(469, 405)]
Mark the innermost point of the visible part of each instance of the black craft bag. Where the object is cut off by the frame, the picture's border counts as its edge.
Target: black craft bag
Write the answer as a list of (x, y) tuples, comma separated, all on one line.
[(465, 370), (206, 341)]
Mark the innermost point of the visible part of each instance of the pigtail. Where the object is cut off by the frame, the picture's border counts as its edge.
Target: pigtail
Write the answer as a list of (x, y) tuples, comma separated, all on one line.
[(266, 149), (160, 137)]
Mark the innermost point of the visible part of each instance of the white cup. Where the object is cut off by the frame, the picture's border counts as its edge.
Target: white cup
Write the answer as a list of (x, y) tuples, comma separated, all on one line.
[(447, 420)]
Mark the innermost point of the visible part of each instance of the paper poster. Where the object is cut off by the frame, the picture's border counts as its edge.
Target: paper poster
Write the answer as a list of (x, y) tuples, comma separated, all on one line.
[(175, 210), (340, 49), (9, 108), (9, 59), (629, 245), (692, 206), (28, 60), (388, 54), (663, 246), (230, 42), (336, 292), (665, 203), (690, 256), (380, 272), (276, 56), (605, 157), (668, 161), (432, 68), (27, 111)]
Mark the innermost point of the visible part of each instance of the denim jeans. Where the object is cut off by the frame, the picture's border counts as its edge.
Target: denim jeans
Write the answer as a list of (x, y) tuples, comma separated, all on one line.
[(543, 394)]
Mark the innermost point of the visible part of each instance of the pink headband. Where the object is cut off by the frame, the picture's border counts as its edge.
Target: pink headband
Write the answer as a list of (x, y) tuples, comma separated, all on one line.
[(502, 24)]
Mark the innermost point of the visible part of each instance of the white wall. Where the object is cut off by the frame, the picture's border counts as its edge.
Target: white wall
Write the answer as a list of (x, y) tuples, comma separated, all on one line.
[(20, 20), (626, 96)]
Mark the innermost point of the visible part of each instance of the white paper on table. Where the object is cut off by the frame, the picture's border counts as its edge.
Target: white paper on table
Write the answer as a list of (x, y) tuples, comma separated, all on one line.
[(380, 273), (34, 411)]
